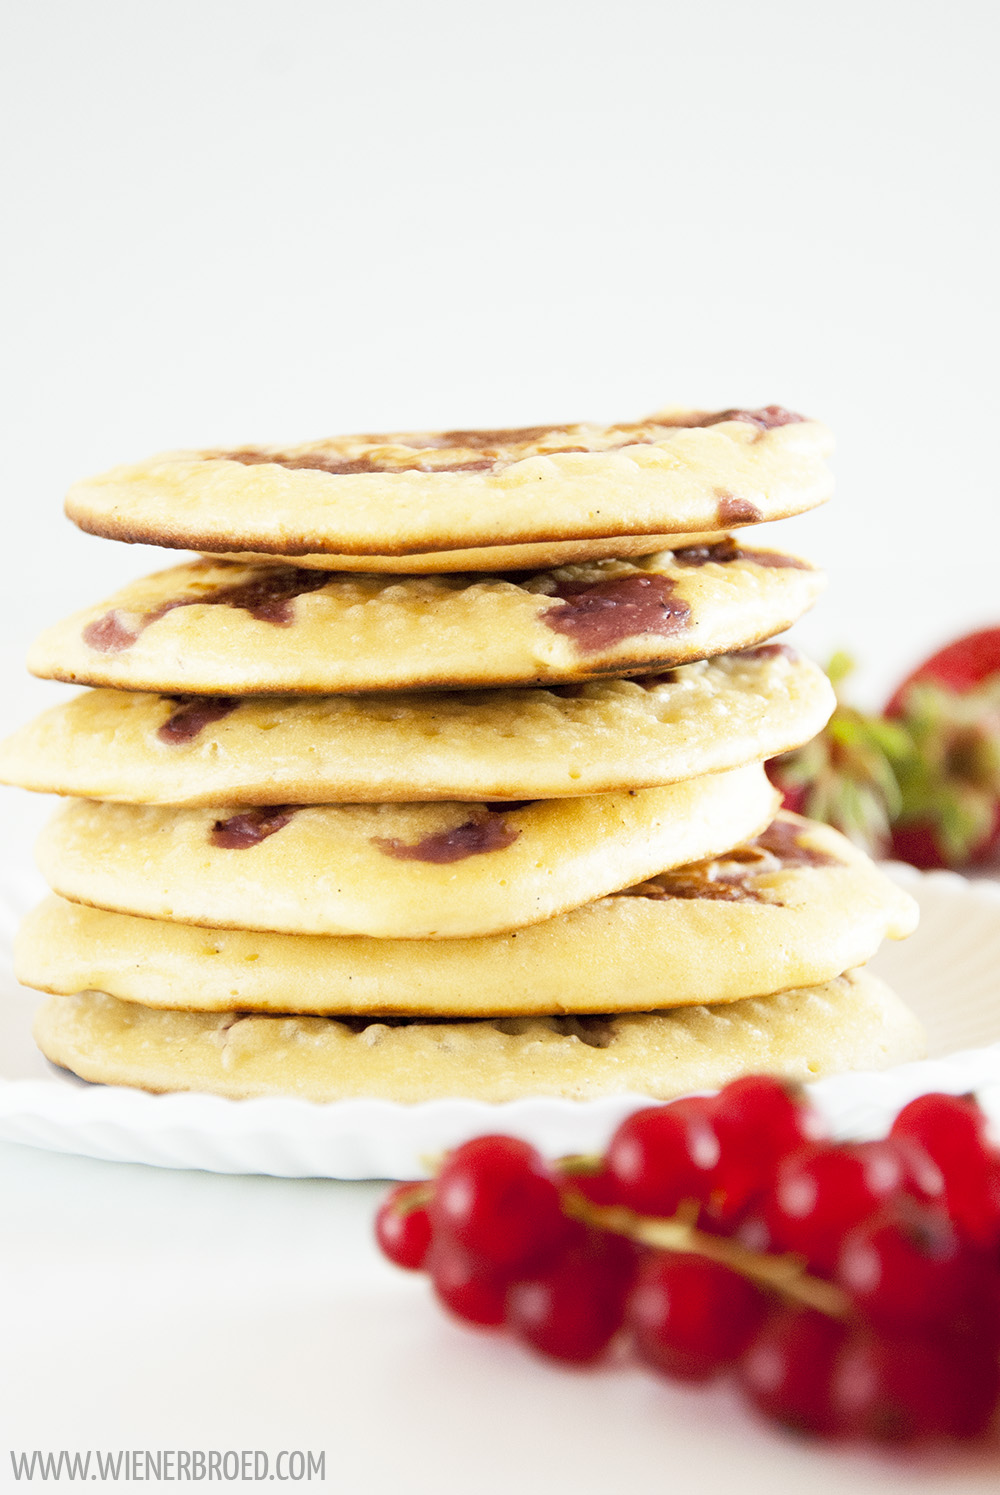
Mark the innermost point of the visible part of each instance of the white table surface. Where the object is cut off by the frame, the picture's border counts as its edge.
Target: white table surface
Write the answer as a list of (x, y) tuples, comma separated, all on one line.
[(146, 1308)]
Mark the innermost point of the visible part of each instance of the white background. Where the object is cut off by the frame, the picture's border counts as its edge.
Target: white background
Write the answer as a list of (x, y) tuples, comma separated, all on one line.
[(230, 222)]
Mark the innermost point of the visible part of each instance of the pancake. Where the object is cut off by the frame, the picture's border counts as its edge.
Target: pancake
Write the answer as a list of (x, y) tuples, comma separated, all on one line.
[(220, 628), (407, 871), (852, 1022), (794, 907), (594, 738), (678, 472), (539, 557)]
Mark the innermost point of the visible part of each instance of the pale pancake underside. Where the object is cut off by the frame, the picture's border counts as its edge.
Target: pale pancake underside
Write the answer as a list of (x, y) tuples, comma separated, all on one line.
[(174, 632), (361, 869), (795, 925), (601, 737), (853, 1022), (418, 492), (539, 557)]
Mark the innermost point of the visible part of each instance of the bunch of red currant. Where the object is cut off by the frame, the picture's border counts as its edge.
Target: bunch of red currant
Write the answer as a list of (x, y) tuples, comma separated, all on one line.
[(852, 1289)]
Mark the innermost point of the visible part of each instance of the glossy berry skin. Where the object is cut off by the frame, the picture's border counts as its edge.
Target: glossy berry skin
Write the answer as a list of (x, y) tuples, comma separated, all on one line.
[(572, 1311), (663, 1155), (787, 1371), (757, 1120), (959, 665), (496, 1199), (403, 1226), (465, 1286), (905, 1267), (599, 1187), (952, 1130), (822, 1191), (909, 1388), (920, 1176), (691, 1317)]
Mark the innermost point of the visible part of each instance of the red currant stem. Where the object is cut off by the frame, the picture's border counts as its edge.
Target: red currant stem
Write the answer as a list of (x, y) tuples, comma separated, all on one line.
[(783, 1274), (419, 1197), (576, 1163)]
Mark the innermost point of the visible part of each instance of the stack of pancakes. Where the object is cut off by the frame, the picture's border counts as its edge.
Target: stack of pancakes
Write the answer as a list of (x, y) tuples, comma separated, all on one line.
[(441, 773)]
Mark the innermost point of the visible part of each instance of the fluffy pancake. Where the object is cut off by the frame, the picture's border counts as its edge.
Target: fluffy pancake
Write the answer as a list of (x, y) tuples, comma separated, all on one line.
[(222, 628), (794, 907), (405, 871), (852, 1022), (675, 473), (593, 738)]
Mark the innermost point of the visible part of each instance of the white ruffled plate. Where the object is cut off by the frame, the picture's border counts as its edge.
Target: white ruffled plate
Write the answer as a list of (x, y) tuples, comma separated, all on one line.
[(949, 972)]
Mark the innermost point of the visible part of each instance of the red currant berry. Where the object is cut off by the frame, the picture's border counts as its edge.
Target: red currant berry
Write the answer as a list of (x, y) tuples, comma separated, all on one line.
[(906, 1388), (753, 1233), (572, 1311), (820, 1192), (952, 1130), (758, 1120), (692, 1317), (467, 1287), (920, 1176), (403, 1225), (496, 1198), (663, 1155), (975, 1386), (905, 1266), (599, 1187), (787, 1370)]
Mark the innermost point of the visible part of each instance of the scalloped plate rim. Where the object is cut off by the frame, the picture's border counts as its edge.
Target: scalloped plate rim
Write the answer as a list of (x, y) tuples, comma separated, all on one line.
[(286, 1135)]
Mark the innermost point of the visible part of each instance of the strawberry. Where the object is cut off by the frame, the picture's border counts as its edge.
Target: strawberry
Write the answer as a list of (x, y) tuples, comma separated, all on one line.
[(959, 666), (949, 810), (922, 781), (848, 775)]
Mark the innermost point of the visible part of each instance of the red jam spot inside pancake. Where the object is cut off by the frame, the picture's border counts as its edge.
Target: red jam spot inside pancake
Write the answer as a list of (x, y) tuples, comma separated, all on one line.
[(775, 558), (111, 633), (770, 651), (781, 839), (345, 466), (499, 446), (485, 831), (734, 510), (724, 551), (650, 682), (765, 419), (484, 441), (599, 616), (697, 884), (193, 714), (268, 598), (250, 827), (729, 878)]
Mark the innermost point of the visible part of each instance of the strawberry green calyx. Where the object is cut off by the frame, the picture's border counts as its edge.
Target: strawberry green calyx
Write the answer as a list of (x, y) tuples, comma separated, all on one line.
[(950, 784), (922, 781), (849, 774)]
